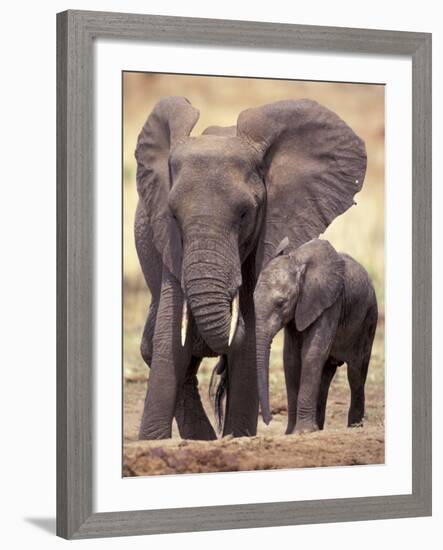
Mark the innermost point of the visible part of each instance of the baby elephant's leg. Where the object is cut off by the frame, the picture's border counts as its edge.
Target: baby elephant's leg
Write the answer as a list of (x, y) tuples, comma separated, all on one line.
[(357, 370), (317, 342), (292, 367), (310, 381), (326, 379)]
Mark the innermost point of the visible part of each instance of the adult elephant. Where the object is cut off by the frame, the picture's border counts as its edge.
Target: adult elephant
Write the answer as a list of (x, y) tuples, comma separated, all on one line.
[(212, 209)]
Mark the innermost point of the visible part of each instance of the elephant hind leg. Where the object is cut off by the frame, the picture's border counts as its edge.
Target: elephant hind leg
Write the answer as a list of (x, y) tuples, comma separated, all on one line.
[(190, 415), (326, 378), (358, 370)]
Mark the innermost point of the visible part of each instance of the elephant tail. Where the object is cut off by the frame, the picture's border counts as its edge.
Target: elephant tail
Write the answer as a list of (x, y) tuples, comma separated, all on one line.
[(218, 389)]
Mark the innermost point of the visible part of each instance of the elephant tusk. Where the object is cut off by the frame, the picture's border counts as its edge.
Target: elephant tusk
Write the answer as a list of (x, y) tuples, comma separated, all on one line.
[(234, 317), (184, 322)]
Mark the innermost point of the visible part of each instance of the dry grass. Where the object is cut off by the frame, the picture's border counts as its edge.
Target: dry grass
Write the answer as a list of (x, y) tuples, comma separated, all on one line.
[(359, 232)]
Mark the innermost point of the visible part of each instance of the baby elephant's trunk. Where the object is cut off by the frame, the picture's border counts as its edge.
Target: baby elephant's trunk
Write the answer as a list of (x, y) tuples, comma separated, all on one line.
[(263, 346)]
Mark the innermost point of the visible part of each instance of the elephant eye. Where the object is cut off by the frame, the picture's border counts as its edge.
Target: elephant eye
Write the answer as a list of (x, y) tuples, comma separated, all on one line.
[(243, 215), (279, 302)]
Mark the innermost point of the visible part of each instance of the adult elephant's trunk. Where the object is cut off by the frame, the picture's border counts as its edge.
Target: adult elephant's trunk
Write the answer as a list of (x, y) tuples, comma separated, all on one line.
[(211, 280), (263, 346)]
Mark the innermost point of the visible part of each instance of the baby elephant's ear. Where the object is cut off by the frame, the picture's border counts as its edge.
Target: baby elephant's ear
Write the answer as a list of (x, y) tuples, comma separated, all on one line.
[(322, 282)]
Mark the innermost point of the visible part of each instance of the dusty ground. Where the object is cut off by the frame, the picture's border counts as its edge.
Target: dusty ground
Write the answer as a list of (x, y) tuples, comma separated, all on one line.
[(330, 448)]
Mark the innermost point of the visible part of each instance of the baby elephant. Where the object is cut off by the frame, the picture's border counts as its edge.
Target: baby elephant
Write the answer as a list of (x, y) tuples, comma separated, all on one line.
[(327, 304)]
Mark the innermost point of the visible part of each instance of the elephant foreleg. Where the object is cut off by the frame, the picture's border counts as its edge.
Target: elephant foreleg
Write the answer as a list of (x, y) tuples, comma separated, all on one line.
[(241, 403), (317, 342), (326, 379), (242, 397), (169, 363), (190, 415), (292, 368)]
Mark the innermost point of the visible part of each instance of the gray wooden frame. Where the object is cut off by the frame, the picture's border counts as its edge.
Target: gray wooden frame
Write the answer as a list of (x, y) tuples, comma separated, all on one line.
[(76, 31)]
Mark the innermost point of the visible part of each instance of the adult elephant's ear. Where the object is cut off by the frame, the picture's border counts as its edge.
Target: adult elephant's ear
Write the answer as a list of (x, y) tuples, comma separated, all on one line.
[(321, 271), (171, 121), (312, 163)]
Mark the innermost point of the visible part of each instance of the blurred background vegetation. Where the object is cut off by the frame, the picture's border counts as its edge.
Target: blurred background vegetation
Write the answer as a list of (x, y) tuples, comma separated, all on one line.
[(359, 232)]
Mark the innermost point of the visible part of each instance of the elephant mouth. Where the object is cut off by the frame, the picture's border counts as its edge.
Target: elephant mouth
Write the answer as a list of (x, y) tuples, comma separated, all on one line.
[(235, 311)]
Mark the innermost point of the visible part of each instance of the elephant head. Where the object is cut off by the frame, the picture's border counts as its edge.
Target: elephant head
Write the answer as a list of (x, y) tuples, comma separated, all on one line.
[(288, 168), (297, 287)]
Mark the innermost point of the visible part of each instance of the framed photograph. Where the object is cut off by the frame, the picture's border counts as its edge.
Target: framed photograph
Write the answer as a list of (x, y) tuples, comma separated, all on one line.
[(244, 274)]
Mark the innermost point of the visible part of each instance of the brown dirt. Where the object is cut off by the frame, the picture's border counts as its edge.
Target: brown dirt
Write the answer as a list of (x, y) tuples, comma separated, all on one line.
[(327, 448)]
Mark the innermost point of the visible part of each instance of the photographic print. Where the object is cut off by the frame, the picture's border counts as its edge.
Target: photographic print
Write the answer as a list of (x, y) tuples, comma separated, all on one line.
[(253, 274)]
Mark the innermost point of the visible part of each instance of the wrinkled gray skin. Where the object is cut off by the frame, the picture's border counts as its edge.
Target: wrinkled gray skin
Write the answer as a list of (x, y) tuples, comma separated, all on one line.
[(327, 305), (211, 210)]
